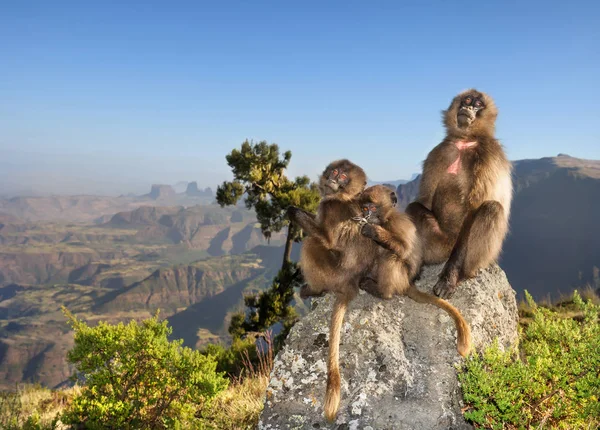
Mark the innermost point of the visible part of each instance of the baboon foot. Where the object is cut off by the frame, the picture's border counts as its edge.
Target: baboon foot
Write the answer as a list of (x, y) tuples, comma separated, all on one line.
[(372, 287), (306, 291), (444, 289)]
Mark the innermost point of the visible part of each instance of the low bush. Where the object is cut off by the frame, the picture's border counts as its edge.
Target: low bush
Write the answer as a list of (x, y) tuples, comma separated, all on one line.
[(553, 381), (132, 376)]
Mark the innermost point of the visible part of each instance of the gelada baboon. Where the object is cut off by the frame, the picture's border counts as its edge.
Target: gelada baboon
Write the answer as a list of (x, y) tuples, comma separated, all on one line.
[(464, 199), (335, 256), (398, 257)]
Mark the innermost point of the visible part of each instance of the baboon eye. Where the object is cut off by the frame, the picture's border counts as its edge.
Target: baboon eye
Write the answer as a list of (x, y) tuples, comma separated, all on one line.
[(343, 176), (478, 103), (365, 209), (335, 172), (468, 100), (372, 208)]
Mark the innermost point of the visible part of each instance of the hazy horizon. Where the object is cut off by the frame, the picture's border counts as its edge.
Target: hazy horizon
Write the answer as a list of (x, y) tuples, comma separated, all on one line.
[(104, 98)]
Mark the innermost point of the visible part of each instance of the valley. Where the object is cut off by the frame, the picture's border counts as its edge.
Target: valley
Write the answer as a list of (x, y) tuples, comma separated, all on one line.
[(195, 262), (130, 265)]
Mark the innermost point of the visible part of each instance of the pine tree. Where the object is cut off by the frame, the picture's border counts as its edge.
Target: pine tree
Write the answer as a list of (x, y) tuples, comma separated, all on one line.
[(259, 177)]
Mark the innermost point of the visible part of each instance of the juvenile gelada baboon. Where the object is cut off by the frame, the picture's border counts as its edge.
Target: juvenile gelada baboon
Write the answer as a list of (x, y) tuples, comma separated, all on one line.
[(398, 257), (335, 256), (465, 193)]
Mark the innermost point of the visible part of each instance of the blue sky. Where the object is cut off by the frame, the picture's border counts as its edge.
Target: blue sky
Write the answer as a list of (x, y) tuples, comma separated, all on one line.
[(112, 96)]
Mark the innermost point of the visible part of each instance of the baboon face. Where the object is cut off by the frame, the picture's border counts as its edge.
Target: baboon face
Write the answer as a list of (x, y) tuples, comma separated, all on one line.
[(376, 202), (342, 177), (470, 105), (471, 112)]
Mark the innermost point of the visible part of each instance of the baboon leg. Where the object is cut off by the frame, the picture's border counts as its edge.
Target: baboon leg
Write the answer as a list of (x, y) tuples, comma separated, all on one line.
[(392, 278), (485, 239), (479, 244), (323, 264), (436, 243)]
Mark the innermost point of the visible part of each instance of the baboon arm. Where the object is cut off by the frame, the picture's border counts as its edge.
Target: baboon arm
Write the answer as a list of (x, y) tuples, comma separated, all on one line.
[(432, 173), (386, 240), (305, 220)]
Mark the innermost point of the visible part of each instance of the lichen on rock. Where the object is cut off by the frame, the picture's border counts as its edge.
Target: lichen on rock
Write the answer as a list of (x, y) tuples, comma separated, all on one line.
[(397, 358)]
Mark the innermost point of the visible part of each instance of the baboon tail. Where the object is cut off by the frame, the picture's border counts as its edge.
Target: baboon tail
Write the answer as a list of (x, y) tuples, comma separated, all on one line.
[(332, 395), (463, 331)]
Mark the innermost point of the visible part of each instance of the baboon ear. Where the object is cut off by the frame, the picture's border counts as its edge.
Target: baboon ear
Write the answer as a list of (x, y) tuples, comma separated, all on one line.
[(393, 198)]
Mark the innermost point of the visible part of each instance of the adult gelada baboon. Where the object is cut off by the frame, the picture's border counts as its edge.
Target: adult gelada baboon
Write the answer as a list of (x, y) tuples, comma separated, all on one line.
[(465, 193), (335, 256)]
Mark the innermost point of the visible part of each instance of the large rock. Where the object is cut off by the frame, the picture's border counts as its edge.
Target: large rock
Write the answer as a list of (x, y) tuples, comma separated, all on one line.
[(397, 358), (159, 191)]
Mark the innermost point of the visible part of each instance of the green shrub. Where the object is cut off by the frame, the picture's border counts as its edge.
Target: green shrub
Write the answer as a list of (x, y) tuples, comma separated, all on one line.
[(553, 383), (231, 359), (135, 378)]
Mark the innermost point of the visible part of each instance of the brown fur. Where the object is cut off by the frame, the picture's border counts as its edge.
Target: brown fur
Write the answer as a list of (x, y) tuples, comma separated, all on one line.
[(463, 217), (398, 258), (333, 258)]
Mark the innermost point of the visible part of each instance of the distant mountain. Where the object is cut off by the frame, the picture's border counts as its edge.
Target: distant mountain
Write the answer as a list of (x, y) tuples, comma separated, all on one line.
[(193, 191), (159, 191), (395, 182), (65, 208), (180, 286), (554, 240), (91, 208), (126, 247), (218, 230)]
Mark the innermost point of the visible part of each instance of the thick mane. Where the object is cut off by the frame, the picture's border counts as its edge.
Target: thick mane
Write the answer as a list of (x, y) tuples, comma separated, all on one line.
[(484, 124)]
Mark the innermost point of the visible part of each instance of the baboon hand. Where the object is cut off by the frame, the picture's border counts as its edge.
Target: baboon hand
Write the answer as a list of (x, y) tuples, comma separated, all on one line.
[(370, 231), (292, 212)]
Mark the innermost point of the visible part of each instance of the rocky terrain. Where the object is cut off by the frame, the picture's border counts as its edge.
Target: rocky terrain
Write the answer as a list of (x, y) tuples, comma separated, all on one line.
[(397, 359), (176, 259)]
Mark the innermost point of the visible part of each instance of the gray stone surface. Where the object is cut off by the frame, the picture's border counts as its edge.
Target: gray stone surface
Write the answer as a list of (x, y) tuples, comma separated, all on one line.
[(397, 359)]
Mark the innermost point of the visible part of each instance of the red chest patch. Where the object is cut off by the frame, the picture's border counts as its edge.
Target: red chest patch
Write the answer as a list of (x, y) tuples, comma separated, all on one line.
[(454, 168)]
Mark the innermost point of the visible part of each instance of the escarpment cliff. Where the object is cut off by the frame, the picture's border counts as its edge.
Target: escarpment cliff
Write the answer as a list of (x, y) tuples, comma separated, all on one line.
[(397, 359)]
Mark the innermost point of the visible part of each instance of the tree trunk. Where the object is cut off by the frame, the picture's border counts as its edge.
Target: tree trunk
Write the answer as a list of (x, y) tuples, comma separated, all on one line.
[(287, 253)]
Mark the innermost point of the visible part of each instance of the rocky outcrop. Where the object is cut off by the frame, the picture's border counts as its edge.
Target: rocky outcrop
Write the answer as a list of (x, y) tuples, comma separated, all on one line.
[(192, 190), (41, 267), (397, 358), (161, 192), (183, 285), (142, 216)]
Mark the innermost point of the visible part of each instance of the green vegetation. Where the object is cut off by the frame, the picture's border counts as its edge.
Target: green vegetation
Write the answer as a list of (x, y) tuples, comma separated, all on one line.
[(132, 377), (135, 378), (32, 407), (258, 172), (127, 372), (552, 382)]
